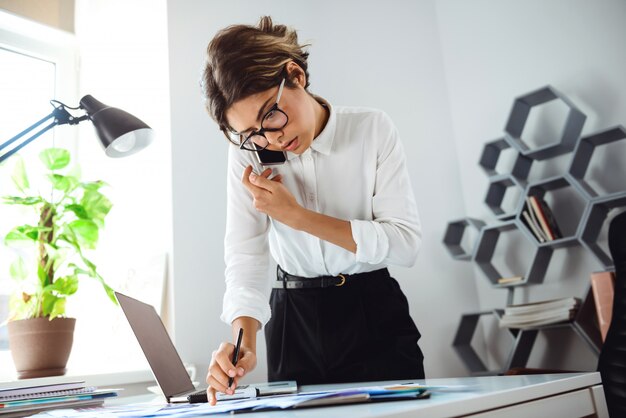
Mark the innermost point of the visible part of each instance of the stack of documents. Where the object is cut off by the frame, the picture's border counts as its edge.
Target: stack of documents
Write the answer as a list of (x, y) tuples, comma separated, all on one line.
[(19, 399), (536, 314), (268, 403)]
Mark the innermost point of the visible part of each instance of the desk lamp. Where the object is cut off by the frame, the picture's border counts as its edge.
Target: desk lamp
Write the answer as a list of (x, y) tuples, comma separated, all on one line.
[(120, 133)]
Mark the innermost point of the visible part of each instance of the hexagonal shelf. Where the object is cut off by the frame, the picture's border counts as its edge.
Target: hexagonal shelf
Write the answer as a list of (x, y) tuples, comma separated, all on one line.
[(499, 188), (593, 220), (491, 154), (584, 325), (462, 343), (570, 224), (453, 238), (487, 246), (584, 152), (518, 117), (578, 206)]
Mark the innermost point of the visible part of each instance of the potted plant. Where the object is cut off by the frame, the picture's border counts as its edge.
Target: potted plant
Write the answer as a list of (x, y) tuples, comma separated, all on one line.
[(67, 219)]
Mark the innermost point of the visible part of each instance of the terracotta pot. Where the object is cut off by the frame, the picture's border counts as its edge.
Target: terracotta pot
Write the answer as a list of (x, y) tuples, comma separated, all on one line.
[(41, 347)]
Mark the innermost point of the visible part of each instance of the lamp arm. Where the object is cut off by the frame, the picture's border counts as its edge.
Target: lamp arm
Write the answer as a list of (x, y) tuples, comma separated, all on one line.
[(61, 117)]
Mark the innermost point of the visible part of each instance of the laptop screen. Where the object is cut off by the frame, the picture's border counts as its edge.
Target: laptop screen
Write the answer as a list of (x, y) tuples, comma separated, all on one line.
[(157, 346)]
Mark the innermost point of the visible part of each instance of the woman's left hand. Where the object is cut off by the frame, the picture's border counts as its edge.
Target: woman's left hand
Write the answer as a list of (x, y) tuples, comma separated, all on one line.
[(271, 196)]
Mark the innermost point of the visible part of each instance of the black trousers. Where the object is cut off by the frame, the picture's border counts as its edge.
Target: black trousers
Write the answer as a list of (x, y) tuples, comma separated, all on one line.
[(358, 332)]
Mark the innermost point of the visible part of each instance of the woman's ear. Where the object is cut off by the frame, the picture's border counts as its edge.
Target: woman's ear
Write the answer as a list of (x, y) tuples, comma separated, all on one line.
[(296, 74)]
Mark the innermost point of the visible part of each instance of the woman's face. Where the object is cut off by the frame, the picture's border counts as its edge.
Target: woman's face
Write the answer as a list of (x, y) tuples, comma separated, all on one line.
[(296, 136)]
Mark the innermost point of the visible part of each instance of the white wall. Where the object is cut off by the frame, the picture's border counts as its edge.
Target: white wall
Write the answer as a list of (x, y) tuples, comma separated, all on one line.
[(497, 50), (447, 72), (124, 64), (380, 54)]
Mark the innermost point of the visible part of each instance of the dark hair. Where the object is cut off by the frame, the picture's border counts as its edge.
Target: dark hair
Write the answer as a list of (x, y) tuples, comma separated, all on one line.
[(243, 60)]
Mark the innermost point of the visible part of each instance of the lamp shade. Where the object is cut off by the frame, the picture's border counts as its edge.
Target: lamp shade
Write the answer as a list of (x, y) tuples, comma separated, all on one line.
[(120, 133)]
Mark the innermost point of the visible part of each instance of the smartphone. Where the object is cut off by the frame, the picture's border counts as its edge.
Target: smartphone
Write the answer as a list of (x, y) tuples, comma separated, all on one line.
[(267, 157)]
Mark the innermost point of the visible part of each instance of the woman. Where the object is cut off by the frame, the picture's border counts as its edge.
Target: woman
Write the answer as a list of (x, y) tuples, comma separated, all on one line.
[(333, 216)]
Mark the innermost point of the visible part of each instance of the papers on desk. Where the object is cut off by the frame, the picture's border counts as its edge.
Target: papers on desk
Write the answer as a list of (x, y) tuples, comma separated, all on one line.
[(301, 400)]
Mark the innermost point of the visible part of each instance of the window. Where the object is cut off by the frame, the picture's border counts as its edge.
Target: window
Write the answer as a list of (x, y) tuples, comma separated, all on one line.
[(27, 84), (126, 69), (34, 71)]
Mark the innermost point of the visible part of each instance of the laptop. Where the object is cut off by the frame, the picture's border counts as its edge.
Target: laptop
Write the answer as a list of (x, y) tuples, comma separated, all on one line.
[(168, 368)]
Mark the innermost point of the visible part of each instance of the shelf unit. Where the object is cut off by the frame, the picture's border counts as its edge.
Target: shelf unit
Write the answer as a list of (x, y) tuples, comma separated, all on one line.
[(585, 233)]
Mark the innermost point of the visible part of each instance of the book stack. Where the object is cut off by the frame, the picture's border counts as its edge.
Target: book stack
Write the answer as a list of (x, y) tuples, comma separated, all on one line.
[(530, 315), (19, 400), (539, 219)]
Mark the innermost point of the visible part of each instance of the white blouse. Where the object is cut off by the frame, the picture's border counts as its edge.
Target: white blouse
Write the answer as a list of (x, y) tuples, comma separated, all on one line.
[(354, 170)]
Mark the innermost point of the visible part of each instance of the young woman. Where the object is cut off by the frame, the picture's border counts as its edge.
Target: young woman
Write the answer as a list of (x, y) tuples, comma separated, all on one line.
[(334, 215)]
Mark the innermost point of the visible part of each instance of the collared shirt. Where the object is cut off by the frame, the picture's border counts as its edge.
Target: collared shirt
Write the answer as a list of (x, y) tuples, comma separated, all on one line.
[(355, 170)]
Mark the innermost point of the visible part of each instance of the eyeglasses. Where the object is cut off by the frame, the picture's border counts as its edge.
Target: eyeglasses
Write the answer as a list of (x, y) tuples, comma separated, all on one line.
[(274, 120)]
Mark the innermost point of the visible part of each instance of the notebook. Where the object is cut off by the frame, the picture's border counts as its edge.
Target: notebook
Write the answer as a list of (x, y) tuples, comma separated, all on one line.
[(22, 390), (168, 368)]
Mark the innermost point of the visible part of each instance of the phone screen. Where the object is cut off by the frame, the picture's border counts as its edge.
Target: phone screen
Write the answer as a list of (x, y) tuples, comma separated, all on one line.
[(267, 157)]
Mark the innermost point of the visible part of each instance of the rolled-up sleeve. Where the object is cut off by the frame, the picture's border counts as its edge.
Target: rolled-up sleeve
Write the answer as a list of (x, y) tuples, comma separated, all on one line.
[(246, 251), (393, 236)]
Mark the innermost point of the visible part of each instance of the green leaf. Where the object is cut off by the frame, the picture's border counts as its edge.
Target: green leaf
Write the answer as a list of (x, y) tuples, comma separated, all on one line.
[(109, 291), (58, 309), (78, 210), (49, 304), (60, 182), (64, 285), (16, 238), (78, 270), (86, 232), (18, 270), (55, 158), (21, 307), (97, 205), (42, 276), (89, 265), (93, 185), (25, 233), (27, 201), (20, 179)]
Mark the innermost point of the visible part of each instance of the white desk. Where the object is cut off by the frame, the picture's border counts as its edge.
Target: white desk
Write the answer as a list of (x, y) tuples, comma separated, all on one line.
[(557, 395)]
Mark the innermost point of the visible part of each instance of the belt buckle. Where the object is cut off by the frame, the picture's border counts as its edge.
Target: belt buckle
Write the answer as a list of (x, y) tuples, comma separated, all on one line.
[(343, 280)]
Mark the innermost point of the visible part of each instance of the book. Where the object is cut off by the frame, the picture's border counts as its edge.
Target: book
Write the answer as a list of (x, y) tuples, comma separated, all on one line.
[(529, 218), (91, 392), (547, 212), (546, 218), (534, 219), (29, 406), (510, 280), (26, 389), (541, 306), (536, 320), (603, 289), (536, 314), (29, 410)]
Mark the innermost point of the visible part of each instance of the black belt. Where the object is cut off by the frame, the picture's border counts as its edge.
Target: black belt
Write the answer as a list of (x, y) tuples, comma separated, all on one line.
[(289, 281)]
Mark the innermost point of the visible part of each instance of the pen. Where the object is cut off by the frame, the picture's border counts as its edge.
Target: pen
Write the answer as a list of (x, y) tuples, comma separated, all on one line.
[(236, 355)]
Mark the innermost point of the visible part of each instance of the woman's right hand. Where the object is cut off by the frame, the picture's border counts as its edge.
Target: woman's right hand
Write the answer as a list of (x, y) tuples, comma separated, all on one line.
[(221, 369)]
